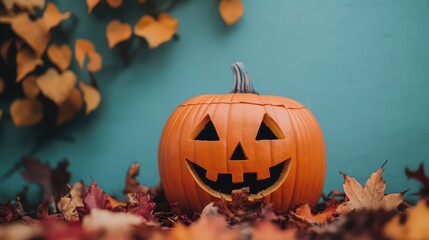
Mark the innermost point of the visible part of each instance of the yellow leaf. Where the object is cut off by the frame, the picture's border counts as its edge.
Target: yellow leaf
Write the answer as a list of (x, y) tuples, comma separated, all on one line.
[(69, 108), (52, 17), (32, 32), (91, 97), (1, 85), (60, 55), (155, 31), (231, 11), (26, 112), (91, 4), (371, 197), (415, 225), (29, 5), (56, 87), (114, 3), (29, 87), (26, 62), (84, 48), (117, 32)]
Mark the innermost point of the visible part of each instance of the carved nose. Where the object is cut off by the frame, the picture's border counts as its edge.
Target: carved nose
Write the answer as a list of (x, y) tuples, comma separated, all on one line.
[(238, 153)]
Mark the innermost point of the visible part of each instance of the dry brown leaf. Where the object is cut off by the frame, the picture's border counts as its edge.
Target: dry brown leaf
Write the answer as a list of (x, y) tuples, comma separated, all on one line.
[(231, 11), (142, 1), (21, 231), (155, 31), (371, 197), (1, 85), (419, 175), (6, 19), (91, 97), (267, 230), (52, 17), (104, 220), (4, 48), (207, 228), (26, 62), (55, 86), (33, 32), (29, 87), (83, 49), (117, 31), (91, 4), (60, 55), (68, 109), (26, 112), (114, 3), (414, 226), (303, 212), (73, 199), (132, 185), (1, 113), (29, 5)]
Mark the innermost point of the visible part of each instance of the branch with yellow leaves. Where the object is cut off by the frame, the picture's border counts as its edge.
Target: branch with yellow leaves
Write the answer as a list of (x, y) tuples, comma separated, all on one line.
[(35, 70)]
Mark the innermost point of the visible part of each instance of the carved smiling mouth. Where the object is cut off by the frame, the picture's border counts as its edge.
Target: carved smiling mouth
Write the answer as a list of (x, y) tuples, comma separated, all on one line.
[(223, 186)]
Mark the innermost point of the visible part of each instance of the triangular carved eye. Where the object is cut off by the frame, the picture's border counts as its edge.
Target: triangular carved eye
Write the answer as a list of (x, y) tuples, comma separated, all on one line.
[(206, 131), (269, 130)]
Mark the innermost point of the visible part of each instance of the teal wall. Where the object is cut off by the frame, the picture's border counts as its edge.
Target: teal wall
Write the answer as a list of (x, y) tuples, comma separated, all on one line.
[(361, 66)]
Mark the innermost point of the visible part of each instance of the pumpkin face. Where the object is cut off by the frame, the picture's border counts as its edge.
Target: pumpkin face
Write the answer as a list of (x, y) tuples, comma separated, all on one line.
[(213, 144)]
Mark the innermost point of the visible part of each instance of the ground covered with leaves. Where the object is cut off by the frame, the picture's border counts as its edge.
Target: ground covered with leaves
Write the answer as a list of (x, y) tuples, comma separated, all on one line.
[(81, 212)]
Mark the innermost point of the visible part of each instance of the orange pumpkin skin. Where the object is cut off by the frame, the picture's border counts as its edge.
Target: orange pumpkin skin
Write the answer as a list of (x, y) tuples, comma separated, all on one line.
[(237, 157)]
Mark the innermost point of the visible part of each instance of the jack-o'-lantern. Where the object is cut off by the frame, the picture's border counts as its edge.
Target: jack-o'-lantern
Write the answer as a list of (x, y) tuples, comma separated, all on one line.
[(215, 143)]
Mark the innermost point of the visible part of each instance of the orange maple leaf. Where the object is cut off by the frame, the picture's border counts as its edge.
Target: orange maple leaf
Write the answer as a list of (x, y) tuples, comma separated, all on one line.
[(303, 212)]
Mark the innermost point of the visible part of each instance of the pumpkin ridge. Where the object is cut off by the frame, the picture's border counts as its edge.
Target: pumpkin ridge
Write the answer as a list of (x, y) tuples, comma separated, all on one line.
[(292, 199), (195, 184), (186, 196)]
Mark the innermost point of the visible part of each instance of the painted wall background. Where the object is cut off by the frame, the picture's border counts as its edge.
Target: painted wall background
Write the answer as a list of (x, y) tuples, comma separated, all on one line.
[(362, 67)]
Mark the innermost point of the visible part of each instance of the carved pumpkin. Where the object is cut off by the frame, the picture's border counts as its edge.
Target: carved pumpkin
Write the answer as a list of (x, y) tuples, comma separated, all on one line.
[(214, 143)]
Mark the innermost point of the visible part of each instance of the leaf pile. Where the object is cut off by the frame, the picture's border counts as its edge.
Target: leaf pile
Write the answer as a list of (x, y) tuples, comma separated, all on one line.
[(90, 213)]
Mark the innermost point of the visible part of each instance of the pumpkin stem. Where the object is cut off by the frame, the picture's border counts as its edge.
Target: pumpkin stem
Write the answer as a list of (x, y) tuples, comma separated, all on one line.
[(242, 82)]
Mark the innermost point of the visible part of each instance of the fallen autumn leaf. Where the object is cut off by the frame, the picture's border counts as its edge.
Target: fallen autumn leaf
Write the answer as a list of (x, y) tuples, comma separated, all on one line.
[(371, 197)]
